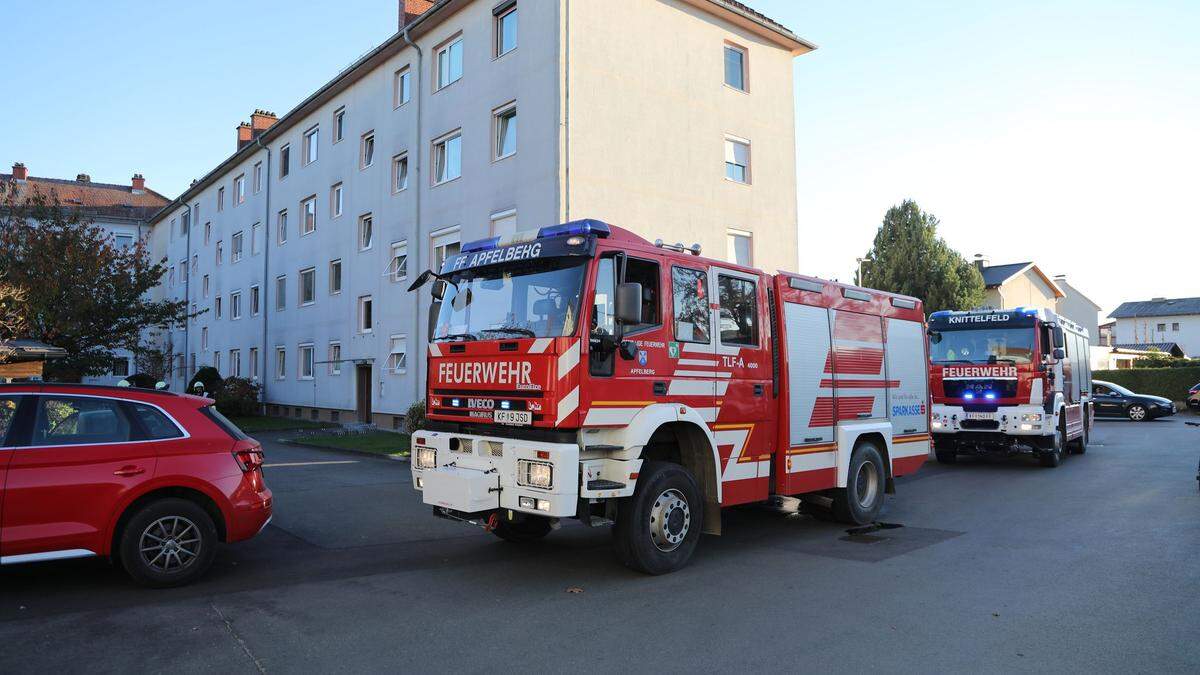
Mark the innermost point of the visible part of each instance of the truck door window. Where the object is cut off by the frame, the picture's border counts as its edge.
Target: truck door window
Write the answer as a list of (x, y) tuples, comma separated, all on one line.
[(644, 272), (604, 323), (739, 311), (693, 317)]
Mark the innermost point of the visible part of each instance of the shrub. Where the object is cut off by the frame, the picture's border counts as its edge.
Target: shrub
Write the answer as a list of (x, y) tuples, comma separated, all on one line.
[(142, 380), (209, 378), (1172, 383), (414, 417), (238, 397)]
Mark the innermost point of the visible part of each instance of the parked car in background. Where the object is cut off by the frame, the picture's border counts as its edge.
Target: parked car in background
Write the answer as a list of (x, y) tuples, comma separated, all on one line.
[(149, 479), (1113, 400), (1193, 399)]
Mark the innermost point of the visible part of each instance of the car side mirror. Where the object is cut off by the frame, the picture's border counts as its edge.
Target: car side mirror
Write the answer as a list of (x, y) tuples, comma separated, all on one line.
[(629, 303), (1059, 353)]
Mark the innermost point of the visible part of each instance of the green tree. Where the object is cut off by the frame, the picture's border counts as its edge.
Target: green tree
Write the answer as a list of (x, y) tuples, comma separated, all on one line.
[(81, 291), (908, 257)]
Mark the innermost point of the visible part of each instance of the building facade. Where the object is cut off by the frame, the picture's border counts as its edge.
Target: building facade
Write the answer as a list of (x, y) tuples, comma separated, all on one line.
[(1160, 321), (124, 213), (299, 248)]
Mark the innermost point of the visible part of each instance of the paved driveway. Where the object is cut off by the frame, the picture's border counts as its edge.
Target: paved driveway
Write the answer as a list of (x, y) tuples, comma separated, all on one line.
[(999, 566)]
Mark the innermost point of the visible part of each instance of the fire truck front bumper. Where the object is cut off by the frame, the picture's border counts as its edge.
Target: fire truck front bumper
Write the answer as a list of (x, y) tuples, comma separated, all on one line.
[(1019, 420), (476, 474)]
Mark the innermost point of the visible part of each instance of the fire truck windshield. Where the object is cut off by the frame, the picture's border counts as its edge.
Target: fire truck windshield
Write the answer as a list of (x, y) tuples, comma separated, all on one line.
[(982, 345), (540, 298)]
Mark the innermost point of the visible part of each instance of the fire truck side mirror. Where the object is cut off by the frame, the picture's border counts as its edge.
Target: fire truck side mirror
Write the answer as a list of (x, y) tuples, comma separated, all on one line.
[(1059, 353), (629, 303), (1058, 339)]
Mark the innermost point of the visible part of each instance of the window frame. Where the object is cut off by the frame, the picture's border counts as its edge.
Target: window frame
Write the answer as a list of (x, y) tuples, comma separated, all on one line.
[(731, 234), (280, 362), (281, 225), (123, 405), (758, 328), (235, 356), (499, 13), (255, 300), (442, 141), (363, 302), (237, 246), (339, 125), (256, 182), (239, 190), (310, 362), (398, 248), (337, 193), (746, 169), (446, 47), (285, 160), (366, 225), (508, 110), (674, 311), (310, 145), (300, 286), (335, 360), (336, 262), (235, 305), (400, 339), (304, 213), (367, 139), (733, 46), (280, 292), (397, 160), (220, 199), (401, 86)]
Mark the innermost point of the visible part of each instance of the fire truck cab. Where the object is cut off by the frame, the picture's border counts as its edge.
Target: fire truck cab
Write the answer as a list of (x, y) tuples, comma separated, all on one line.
[(580, 371), (1009, 381)]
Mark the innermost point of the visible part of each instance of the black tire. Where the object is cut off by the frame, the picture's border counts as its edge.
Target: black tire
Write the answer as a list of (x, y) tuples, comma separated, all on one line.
[(659, 526), (946, 456), (860, 501), (189, 527), (1054, 456), (522, 529), (1137, 413)]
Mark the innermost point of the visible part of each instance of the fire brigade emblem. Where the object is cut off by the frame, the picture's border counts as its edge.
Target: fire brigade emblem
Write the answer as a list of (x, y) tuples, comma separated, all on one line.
[(672, 350), (642, 357)]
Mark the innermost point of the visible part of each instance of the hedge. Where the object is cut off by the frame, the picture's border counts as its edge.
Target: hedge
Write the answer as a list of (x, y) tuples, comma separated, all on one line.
[(1172, 383)]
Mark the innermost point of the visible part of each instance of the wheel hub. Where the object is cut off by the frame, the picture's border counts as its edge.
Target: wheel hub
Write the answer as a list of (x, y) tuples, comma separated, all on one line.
[(170, 544), (866, 484), (670, 518)]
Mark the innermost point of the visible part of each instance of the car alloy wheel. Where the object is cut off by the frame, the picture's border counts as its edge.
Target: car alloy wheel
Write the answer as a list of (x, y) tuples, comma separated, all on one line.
[(1137, 413), (170, 544)]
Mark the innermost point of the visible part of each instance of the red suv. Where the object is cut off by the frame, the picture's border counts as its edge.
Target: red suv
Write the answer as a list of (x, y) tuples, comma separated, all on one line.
[(150, 479)]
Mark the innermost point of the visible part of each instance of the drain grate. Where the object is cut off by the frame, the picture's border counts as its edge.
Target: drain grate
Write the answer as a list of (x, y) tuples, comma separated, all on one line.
[(866, 533)]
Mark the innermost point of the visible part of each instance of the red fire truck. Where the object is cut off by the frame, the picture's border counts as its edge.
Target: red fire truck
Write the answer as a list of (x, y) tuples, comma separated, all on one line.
[(1009, 381), (580, 371)]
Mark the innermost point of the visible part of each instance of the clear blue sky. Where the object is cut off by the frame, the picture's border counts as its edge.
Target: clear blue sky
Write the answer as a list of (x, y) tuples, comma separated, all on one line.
[(1064, 132)]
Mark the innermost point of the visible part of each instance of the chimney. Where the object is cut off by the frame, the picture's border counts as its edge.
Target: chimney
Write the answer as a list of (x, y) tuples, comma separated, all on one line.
[(20, 172), (245, 135), (83, 178), (411, 9), (981, 261), (260, 121), (139, 184)]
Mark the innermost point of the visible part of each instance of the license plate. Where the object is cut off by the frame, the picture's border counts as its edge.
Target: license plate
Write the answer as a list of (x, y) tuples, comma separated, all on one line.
[(512, 417), (981, 416)]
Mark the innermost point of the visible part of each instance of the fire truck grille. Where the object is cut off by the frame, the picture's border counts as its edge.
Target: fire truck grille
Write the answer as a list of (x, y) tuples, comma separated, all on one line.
[(1002, 388), (979, 424)]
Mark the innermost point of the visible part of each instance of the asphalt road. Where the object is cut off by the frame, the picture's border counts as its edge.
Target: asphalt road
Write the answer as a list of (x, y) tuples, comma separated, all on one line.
[(999, 566)]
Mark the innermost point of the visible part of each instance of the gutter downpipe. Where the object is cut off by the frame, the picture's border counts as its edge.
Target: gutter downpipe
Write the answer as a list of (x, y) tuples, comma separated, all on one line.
[(262, 293), (187, 296), (415, 251)]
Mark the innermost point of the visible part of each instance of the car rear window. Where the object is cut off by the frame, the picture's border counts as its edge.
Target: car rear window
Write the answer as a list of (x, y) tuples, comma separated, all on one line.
[(220, 420), (158, 426)]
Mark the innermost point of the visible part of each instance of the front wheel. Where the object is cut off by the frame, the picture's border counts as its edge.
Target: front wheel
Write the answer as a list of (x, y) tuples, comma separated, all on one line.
[(168, 542), (860, 501), (1137, 412), (659, 526), (1054, 457)]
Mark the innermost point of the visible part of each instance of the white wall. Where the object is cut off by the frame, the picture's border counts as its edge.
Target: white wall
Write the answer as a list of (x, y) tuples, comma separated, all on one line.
[(1145, 329)]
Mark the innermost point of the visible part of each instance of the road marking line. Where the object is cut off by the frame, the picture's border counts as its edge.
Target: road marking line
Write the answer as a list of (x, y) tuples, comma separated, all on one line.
[(337, 461)]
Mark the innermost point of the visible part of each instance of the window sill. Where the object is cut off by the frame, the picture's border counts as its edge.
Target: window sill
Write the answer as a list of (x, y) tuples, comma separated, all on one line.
[(308, 304), (450, 180), (737, 182), (504, 157), (733, 88), (396, 192), (364, 167), (497, 57)]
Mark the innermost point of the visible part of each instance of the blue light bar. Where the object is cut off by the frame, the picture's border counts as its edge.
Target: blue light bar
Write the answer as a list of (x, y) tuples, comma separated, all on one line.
[(480, 245), (991, 396), (940, 313), (585, 226), (968, 395)]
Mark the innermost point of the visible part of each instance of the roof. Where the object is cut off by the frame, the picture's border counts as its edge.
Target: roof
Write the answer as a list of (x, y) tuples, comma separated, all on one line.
[(31, 350), (94, 198), (1164, 307), (996, 275), (1075, 292), (1167, 347), (415, 27)]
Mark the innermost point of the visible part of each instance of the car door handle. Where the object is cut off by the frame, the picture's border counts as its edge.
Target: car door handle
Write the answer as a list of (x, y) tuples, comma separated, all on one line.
[(127, 471)]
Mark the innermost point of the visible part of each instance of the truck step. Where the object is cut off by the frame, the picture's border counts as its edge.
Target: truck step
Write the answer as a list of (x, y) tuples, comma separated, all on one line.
[(602, 448), (601, 484)]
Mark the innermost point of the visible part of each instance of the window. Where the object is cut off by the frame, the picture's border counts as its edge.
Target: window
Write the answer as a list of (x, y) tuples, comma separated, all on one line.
[(79, 420), (158, 426), (255, 238), (235, 362), (366, 232), (239, 190), (335, 277), (399, 172), (335, 200), (216, 363), (306, 361), (335, 358), (398, 356), (235, 305), (285, 161), (505, 27), (504, 121), (217, 306), (220, 252), (504, 223), (255, 301), (737, 160), (308, 216), (280, 292), (693, 318), (738, 317), (235, 247), (257, 177), (308, 286), (449, 63), (280, 363), (204, 338), (1162, 327), (447, 158), (445, 245), (311, 140), (183, 270), (124, 241), (207, 233), (735, 67), (221, 199), (401, 87), (738, 247), (281, 228), (339, 124), (1175, 327), (365, 320), (120, 367), (644, 272), (8, 411), (204, 287), (195, 264), (367, 150), (399, 261), (253, 372), (171, 275)]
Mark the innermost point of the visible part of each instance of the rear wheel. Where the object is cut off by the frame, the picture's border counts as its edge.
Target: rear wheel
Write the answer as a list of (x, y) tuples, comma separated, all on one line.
[(1079, 445), (862, 498), (168, 542), (521, 529), (658, 527), (1137, 412)]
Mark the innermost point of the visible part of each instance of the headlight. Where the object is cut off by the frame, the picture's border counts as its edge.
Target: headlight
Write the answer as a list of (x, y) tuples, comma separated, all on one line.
[(535, 474), (1031, 417), (426, 458), (937, 424)]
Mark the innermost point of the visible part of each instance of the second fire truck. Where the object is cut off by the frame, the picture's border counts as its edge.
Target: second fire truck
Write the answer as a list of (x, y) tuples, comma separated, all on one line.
[(580, 371)]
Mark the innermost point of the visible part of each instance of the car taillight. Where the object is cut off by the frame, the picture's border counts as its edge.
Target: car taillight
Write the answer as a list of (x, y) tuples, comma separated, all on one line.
[(250, 459)]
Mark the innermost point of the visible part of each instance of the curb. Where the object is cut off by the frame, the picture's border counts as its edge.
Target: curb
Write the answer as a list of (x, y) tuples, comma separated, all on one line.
[(348, 451)]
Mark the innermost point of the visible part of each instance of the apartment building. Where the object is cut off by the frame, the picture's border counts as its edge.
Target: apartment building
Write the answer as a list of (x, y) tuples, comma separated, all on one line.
[(673, 118)]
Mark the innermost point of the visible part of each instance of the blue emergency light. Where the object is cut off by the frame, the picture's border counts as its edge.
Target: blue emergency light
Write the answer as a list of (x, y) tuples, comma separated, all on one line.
[(575, 227)]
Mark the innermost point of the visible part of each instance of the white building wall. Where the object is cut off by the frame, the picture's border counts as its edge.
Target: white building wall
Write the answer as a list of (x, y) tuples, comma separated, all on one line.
[(116, 228), (1162, 329)]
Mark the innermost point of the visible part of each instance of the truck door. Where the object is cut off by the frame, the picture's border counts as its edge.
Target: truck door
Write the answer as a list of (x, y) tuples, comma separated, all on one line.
[(693, 381), (908, 394), (811, 462), (743, 384)]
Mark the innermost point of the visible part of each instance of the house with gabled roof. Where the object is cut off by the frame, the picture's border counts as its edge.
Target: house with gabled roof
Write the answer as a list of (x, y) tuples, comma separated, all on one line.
[(1161, 322)]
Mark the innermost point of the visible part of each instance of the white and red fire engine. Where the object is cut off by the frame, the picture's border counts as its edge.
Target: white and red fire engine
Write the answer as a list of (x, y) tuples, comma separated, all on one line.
[(1009, 381), (581, 371)]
